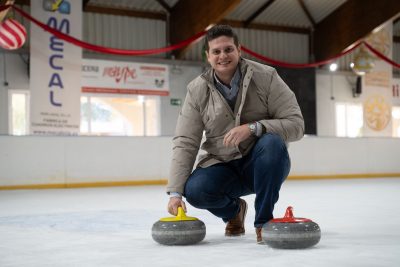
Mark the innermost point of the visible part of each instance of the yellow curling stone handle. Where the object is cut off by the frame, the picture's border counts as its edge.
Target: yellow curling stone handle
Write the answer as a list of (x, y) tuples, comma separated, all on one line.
[(180, 217)]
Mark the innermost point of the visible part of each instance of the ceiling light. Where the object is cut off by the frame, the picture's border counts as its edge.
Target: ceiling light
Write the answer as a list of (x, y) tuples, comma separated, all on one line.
[(363, 62)]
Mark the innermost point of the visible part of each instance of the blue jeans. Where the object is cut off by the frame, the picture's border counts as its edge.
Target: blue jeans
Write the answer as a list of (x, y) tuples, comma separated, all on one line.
[(217, 188)]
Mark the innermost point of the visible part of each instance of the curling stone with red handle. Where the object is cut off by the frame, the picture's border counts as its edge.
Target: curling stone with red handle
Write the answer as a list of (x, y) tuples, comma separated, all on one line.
[(290, 232)]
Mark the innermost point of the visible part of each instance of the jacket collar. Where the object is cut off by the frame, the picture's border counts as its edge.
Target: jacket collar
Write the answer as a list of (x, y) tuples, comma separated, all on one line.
[(208, 75)]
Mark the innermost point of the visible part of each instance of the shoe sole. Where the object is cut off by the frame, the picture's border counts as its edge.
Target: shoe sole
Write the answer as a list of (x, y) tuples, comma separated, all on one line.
[(230, 235)]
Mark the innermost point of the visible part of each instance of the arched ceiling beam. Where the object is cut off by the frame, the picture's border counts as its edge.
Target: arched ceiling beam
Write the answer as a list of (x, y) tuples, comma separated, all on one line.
[(257, 13), (307, 12), (354, 20), (84, 4), (164, 5), (189, 17)]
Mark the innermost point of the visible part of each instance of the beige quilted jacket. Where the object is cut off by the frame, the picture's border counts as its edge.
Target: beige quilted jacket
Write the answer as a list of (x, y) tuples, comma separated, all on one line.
[(263, 97)]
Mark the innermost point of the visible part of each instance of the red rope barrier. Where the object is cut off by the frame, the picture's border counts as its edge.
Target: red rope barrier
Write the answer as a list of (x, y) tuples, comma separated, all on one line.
[(294, 65), (4, 7), (108, 50), (381, 56)]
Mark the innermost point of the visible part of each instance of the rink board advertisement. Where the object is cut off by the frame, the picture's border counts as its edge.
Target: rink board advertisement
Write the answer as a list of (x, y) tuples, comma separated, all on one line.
[(55, 68), (117, 77)]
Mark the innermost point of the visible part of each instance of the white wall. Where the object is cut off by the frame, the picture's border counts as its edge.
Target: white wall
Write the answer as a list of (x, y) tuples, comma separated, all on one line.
[(338, 86), (180, 76), (33, 160)]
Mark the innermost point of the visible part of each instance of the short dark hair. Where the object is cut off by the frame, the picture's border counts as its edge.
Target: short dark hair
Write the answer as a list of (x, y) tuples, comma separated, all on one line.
[(218, 31)]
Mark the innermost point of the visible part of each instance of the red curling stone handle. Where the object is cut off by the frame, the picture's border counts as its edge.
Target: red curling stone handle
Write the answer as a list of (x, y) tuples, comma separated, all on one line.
[(289, 218)]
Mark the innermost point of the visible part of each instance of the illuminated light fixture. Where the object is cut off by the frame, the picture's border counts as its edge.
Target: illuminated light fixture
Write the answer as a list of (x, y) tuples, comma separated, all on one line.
[(363, 62), (333, 67)]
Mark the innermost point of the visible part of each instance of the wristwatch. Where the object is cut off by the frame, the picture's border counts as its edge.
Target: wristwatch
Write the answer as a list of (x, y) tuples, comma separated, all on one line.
[(253, 128)]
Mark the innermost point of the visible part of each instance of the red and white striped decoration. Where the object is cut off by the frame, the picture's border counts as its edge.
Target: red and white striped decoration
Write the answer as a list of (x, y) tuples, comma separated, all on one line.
[(12, 34)]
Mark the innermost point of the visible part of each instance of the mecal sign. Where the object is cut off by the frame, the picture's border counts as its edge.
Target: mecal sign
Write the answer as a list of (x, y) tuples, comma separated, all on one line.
[(55, 69)]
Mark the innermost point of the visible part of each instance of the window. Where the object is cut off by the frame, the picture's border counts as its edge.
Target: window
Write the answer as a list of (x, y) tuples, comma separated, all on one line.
[(396, 121), (18, 110), (131, 115), (123, 115), (349, 119)]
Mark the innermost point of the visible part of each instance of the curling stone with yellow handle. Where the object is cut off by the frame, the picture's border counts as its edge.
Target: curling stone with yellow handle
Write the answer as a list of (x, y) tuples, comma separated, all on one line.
[(179, 230)]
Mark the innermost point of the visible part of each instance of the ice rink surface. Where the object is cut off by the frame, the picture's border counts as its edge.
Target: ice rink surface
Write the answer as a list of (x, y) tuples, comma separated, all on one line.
[(359, 220)]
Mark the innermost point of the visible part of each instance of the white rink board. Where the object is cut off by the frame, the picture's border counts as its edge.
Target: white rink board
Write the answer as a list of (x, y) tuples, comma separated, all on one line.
[(30, 160)]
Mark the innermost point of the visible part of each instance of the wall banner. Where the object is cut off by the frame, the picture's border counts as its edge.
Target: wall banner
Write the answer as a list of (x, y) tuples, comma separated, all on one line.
[(118, 77), (377, 87), (55, 68)]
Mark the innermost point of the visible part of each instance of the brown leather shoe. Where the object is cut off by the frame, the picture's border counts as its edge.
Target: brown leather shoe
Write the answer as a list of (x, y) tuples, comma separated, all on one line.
[(259, 235), (235, 226)]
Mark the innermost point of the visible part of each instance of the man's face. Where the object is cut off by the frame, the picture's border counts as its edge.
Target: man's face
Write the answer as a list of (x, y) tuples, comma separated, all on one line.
[(223, 55)]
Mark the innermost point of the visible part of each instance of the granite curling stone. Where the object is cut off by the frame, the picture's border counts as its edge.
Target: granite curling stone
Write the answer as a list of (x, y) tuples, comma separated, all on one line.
[(179, 230), (290, 232)]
